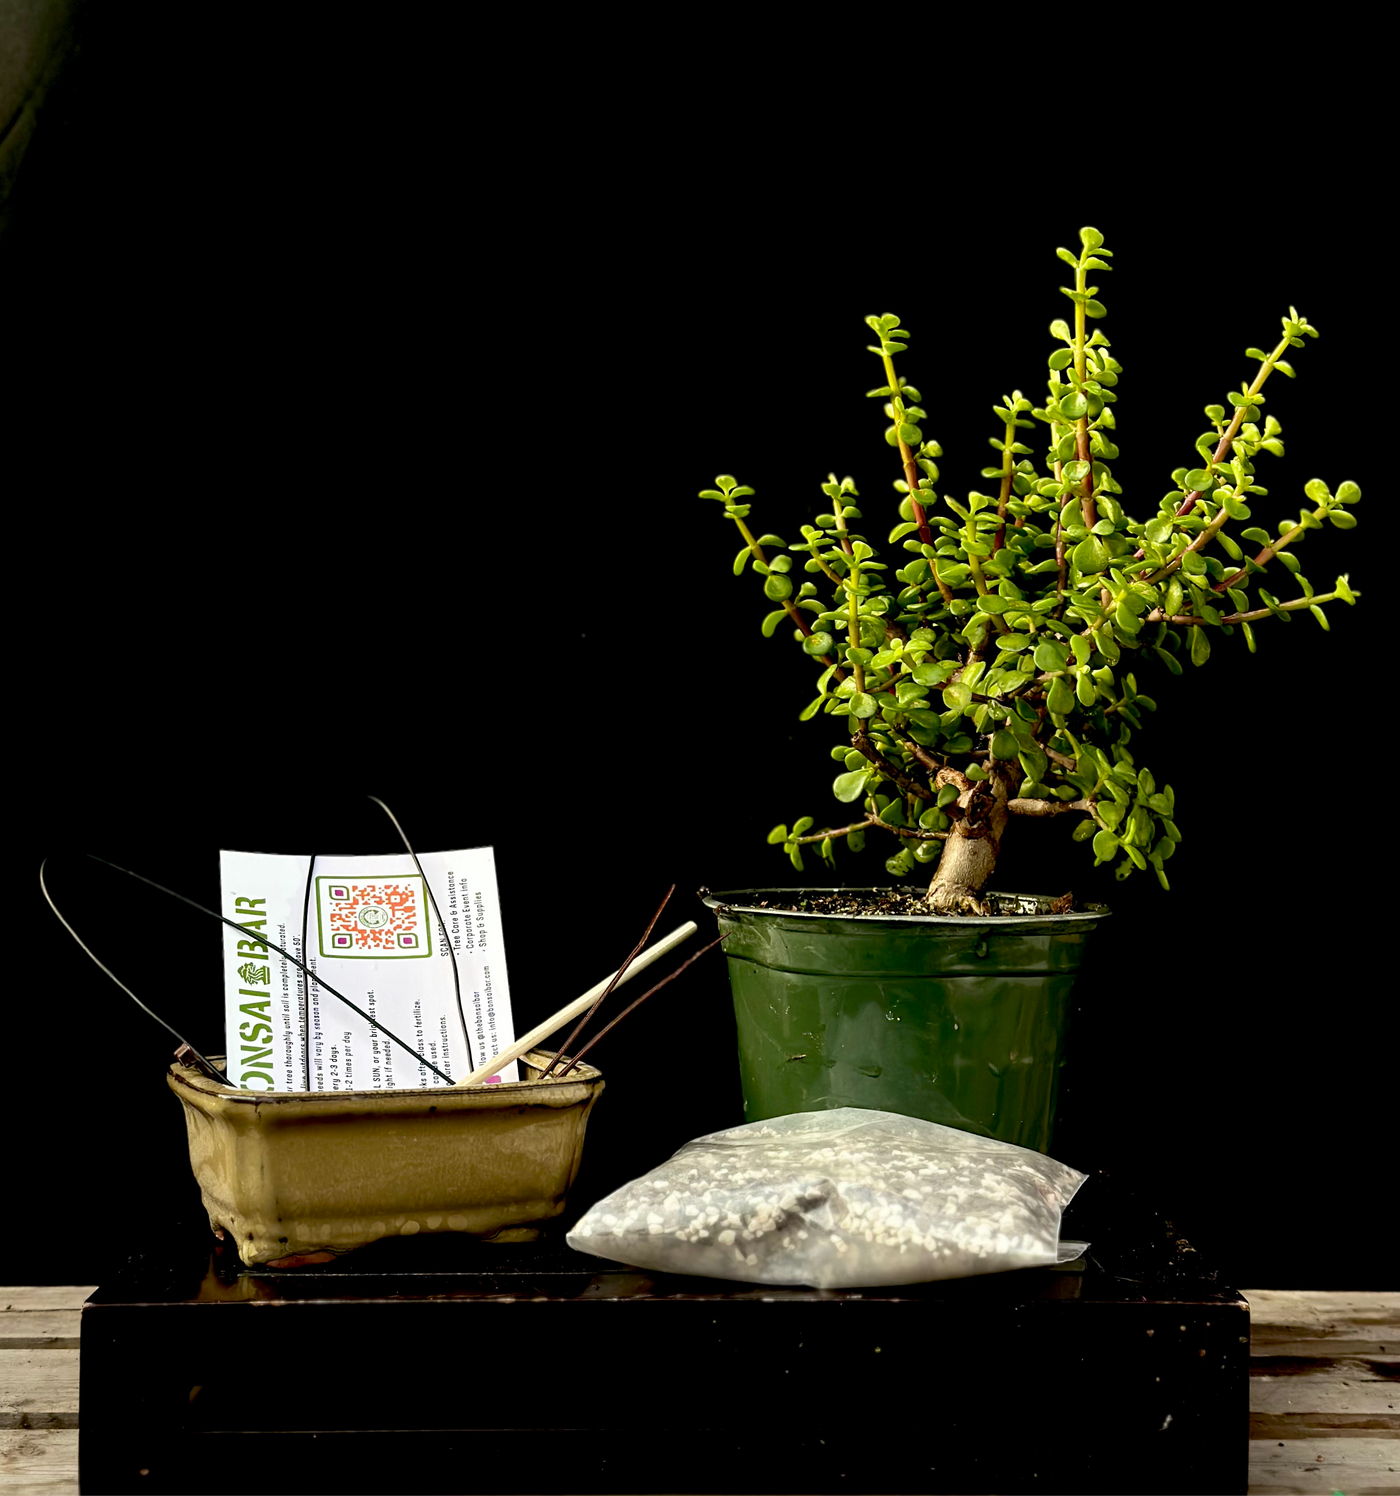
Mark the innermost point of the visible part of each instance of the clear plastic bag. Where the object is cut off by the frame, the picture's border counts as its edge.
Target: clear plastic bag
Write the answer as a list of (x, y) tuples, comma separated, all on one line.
[(846, 1198)]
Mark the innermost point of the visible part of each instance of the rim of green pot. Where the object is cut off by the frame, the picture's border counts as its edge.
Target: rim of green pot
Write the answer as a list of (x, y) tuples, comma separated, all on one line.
[(1034, 912)]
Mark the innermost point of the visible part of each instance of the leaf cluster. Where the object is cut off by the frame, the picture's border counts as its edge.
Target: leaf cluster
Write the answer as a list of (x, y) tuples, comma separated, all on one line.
[(1008, 630)]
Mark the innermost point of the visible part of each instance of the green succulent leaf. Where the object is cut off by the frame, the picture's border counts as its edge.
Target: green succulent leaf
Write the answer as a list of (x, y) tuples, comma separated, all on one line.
[(1091, 556), (1073, 406), (934, 672), (849, 787), (1060, 697), (776, 587), (957, 696)]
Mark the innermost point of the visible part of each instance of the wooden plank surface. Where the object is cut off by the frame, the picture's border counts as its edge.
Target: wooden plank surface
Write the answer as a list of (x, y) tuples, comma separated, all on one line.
[(46, 1317), (39, 1462), (38, 1389), (1365, 1465), (39, 1330), (1311, 1324), (36, 1329), (1336, 1387), (44, 1296), (1324, 1389)]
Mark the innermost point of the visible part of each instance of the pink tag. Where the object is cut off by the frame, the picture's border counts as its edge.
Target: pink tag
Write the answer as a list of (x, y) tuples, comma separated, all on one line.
[(492, 1080)]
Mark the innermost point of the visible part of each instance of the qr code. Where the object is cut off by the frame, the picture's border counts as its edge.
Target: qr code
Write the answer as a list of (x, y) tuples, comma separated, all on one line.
[(374, 917)]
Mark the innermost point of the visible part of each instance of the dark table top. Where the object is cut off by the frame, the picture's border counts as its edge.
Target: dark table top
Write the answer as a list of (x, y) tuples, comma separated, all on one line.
[(1135, 1255)]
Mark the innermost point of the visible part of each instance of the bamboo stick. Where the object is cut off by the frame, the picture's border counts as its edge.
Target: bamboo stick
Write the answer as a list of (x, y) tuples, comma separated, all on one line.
[(579, 1005)]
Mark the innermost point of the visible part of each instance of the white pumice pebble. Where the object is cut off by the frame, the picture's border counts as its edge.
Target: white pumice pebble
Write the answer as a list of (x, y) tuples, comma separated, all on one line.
[(846, 1198)]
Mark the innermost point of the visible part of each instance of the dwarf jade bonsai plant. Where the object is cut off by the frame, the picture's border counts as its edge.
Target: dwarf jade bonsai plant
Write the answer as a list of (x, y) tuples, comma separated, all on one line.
[(999, 669)]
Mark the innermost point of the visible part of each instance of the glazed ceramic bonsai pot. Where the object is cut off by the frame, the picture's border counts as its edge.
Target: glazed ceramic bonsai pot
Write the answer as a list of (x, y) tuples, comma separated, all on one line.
[(957, 1019), (298, 1176)]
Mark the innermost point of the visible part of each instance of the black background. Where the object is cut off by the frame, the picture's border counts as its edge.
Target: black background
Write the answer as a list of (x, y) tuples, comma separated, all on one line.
[(360, 437)]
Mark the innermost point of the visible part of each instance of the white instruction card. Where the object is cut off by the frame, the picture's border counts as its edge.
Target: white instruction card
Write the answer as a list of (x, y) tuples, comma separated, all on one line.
[(372, 935)]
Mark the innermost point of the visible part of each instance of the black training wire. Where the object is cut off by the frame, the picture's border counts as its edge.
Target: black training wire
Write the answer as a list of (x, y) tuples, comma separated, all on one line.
[(209, 1067), (262, 940), (607, 1028), (306, 978), (456, 976)]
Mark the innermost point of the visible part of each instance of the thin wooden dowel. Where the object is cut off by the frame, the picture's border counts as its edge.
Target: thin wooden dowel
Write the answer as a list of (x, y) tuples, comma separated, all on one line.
[(541, 1031)]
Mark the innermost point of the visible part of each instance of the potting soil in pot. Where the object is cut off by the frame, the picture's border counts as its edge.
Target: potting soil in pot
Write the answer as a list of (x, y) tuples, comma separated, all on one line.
[(845, 1198)]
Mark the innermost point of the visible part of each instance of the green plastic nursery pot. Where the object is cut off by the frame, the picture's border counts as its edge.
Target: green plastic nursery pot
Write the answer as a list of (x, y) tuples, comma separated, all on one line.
[(956, 1019)]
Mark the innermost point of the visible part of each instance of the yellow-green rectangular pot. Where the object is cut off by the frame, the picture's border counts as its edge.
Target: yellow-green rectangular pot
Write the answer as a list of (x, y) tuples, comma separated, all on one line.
[(299, 1176)]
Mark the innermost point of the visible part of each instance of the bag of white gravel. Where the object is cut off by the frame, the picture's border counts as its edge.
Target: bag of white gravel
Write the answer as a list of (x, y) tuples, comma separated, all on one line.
[(846, 1198)]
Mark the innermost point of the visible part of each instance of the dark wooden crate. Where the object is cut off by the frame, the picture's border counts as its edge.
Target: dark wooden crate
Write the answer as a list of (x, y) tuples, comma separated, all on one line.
[(398, 1369)]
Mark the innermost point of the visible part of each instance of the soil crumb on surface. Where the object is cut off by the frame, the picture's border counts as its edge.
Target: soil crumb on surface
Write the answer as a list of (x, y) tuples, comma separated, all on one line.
[(896, 901)]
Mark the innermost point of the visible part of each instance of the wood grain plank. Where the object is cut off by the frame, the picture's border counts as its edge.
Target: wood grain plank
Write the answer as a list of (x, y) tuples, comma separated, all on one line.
[(1324, 1426), (45, 1296), (1344, 1388), (39, 1462), (1266, 1346), (1321, 1311), (1325, 1327), (1360, 1467), (40, 1329), (38, 1389)]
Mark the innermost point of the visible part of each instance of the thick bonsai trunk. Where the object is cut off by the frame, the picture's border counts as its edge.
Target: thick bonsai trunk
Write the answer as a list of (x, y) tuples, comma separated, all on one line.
[(970, 854)]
